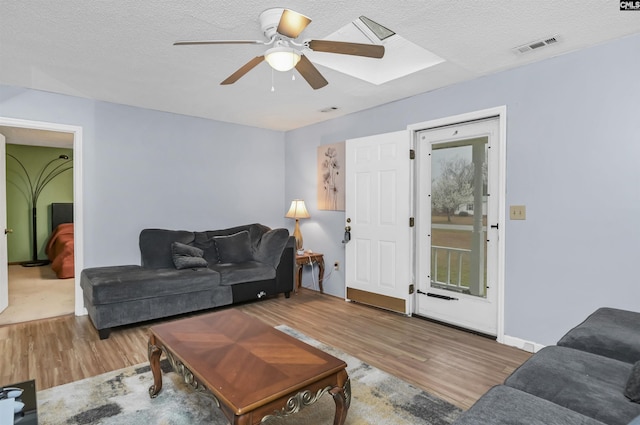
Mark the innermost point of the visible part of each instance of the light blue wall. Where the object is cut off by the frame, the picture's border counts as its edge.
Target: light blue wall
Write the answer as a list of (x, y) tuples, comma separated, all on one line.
[(144, 168), (573, 158), (573, 150)]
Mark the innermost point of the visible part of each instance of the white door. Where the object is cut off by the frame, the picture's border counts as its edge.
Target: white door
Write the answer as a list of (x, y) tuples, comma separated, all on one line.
[(4, 276), (377, 257), (458, 194)]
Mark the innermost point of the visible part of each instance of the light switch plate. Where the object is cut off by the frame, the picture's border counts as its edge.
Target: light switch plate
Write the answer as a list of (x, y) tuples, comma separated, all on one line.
[(518, 212)]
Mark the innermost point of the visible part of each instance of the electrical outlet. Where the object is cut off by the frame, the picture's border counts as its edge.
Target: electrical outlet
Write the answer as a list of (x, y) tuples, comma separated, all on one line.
[(336, 266), (518, 212)]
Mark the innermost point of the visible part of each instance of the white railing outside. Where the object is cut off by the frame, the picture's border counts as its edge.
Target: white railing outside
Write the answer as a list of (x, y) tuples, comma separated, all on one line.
[(459, 253)]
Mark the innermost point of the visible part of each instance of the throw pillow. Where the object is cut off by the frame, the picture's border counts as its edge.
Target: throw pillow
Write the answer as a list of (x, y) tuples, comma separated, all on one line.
[(234, 248), (632, 390), (271, 245), (186, 256), (209, 248)]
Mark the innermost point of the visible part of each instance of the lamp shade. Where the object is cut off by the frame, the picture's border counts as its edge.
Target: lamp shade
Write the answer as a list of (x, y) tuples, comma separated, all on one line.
[(297, 210), (282, 58)]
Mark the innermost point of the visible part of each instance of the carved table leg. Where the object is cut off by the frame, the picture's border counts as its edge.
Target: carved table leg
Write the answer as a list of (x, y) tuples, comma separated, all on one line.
[(321, 273), (342, 398), (154, 361), (298, 277)]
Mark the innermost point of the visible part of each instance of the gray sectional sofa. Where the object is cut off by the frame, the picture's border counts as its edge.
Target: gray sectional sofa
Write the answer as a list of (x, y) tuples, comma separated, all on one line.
[(592, 377), (184, 271)]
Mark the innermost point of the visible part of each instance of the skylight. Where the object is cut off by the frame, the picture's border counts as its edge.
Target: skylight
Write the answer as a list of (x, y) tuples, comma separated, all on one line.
[(401, 56), (380, 31)]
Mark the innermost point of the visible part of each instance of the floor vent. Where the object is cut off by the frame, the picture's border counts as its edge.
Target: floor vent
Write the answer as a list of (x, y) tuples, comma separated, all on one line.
[(535, 45)]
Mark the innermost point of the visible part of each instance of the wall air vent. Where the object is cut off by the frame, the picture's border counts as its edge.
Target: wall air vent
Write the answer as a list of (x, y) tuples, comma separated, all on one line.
[(535, 45)]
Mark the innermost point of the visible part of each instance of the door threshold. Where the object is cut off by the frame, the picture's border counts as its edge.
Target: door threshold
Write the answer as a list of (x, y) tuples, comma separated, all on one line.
[(460, 328)]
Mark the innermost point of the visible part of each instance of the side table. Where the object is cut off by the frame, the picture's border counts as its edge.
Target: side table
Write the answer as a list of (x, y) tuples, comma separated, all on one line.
[(308, 259)]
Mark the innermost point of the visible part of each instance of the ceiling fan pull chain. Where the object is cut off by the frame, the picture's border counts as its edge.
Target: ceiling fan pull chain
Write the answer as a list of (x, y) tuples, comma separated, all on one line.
[(272, 85), (293, 65)]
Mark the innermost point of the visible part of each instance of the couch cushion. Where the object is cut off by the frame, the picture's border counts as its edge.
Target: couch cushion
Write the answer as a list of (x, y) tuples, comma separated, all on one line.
[(609, 332), (155, 246), (249, 271), (270, 246), (632, 389), (106, 285), (503, 405), (186, 256), (208, 247), (587, 383), (255, 230), (204, 240), (234, 248)]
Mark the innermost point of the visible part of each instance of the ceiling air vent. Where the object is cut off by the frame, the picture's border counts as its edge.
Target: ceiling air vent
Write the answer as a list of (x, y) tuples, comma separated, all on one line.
[(535, 45), (329, 109)]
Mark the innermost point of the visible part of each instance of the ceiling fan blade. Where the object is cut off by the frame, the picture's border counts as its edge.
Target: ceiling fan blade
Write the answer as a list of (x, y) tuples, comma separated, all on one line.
[(345, 48), (187, 43), (292, 23), (310, 73), (243, 70)]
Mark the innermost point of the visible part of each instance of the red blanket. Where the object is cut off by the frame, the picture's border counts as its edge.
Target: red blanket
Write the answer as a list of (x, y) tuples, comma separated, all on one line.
[(60, 251)]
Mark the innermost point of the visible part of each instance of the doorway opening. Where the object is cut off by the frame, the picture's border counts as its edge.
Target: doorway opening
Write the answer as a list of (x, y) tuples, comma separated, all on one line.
[(74, 136)]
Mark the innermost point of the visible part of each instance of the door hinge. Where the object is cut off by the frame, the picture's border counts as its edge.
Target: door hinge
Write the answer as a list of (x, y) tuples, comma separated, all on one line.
[(412, 154), (412, 221), (411, 289)]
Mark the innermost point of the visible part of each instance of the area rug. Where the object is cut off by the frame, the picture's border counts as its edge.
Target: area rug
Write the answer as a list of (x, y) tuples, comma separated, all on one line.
[(121, 397)]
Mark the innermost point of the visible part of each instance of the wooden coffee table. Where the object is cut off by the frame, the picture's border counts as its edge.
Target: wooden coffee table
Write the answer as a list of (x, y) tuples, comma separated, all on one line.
[(251, 370)]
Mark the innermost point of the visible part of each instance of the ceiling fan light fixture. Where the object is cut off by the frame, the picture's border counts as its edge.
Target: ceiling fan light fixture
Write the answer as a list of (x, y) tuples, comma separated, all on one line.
[(282, 58), (292, 23)]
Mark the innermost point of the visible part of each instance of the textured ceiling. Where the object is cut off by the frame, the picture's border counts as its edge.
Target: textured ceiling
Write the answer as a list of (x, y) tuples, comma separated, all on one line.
[(121, 51)]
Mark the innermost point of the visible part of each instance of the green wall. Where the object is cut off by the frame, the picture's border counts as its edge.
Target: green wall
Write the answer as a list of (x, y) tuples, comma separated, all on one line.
[(60, 189)]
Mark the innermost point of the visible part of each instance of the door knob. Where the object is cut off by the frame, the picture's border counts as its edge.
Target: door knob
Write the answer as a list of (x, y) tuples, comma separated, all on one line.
[(8, 231), (347, 234)]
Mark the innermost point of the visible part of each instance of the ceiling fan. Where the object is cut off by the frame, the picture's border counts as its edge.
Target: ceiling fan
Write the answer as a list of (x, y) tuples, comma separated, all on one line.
[(281, 27)]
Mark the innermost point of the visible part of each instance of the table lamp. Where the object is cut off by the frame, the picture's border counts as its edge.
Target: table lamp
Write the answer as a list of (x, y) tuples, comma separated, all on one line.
[(298, 211)]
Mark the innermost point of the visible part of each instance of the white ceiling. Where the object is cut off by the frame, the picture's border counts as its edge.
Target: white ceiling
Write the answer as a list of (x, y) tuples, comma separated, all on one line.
[(122, 52)]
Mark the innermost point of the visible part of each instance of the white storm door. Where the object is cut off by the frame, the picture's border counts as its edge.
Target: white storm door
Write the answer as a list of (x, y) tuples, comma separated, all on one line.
[(458, 227), (4, 259), (377, 258)]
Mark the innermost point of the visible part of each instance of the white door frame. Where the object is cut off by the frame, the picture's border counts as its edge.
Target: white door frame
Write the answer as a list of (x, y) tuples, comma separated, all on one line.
[(501, 113), (4, 278), (78, 251)]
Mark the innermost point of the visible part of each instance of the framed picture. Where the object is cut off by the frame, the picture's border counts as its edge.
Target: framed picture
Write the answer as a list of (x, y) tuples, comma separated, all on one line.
[(331, 185)]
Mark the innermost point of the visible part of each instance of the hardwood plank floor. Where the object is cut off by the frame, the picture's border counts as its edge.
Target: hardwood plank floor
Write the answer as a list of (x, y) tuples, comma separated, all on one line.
[(454, 365)]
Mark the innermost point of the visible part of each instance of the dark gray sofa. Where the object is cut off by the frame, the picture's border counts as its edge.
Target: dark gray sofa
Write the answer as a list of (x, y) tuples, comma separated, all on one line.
[(585, 379), (184, 271)]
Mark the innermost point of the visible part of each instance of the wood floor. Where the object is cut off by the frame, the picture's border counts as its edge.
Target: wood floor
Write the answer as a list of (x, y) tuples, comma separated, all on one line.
[(454, 365)]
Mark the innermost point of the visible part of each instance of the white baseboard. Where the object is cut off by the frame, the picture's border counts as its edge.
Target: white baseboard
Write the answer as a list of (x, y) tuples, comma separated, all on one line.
[(522, 344)]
